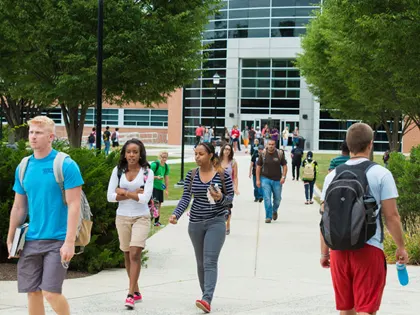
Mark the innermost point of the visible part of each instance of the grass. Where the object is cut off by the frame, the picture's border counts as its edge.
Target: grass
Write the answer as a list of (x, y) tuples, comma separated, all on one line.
[(324, 163), (174, 177), (165, 213)]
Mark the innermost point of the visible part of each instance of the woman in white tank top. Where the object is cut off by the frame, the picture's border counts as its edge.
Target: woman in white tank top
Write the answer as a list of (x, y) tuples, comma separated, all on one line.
[(231, 167)]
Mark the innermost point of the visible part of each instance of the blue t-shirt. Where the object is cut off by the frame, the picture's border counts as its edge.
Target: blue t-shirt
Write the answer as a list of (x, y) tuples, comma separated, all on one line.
[(46, 209)]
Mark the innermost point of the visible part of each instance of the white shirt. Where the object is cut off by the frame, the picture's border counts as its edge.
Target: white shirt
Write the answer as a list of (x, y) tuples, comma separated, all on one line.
[(130, 207), (381, 187)]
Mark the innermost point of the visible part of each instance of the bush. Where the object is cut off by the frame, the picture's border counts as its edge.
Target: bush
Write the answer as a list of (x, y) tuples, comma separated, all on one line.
[(103, 250), (406, 173)]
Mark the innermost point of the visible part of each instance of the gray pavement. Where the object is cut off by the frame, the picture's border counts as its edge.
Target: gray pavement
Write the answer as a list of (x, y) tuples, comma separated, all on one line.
[(264, 269)]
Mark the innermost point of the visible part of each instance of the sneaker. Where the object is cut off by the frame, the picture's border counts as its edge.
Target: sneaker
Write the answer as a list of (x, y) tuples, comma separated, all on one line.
[(129, 302), (203, 305), (138, 297), (255, 200), (267, 220), (159, 224), (227, 232), (261, 200), (275, 216)]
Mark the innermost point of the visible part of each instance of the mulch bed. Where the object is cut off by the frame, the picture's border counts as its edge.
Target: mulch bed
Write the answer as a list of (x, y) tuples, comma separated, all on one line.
[(8, 272)]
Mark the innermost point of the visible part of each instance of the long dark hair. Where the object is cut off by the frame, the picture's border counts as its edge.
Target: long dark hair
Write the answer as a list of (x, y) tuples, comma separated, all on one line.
[(222, 152), (123, 165), (215, 159)]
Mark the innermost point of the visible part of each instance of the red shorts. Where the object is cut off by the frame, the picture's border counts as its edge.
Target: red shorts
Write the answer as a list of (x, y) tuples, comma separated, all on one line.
[(359, 278)]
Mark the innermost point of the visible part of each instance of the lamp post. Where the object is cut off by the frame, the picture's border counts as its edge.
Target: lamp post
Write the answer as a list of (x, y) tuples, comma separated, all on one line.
[(216, 82), (99, 76), (181, 181)]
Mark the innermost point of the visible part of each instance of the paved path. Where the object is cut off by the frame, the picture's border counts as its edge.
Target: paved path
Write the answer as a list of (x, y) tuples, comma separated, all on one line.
[(264, 269)]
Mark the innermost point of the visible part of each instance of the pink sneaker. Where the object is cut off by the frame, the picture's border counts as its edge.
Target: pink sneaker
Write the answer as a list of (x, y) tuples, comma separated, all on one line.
[(129, 302), (138, 297)]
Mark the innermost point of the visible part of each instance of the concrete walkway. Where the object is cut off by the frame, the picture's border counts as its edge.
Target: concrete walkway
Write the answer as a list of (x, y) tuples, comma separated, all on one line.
[(264, 269)]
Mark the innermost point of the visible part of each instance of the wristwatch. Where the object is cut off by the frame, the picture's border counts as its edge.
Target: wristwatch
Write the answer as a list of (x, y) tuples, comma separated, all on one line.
[(284, 177)]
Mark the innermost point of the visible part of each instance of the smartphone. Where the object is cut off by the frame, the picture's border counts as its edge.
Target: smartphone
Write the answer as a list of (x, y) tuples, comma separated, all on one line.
[(214, 188)]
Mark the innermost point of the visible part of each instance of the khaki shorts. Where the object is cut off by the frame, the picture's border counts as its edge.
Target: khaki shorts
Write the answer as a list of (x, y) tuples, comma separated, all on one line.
[(132, 231)]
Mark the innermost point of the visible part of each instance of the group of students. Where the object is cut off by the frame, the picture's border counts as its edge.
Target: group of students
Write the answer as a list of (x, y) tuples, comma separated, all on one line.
[(358, 274), (107, 138)]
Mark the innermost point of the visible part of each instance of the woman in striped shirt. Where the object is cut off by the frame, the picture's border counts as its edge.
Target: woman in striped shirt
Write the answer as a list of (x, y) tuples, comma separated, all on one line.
[(207, 220)]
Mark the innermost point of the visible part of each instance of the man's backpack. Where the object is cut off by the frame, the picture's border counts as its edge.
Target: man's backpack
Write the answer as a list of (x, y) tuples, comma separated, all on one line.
[(114, 136), (91, 138), (280, 153), (157, 163), (309, 171), (349, 217), (84, 226)]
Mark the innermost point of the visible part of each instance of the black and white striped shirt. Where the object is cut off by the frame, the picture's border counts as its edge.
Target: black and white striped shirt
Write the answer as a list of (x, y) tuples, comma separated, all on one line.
[(201, 209)]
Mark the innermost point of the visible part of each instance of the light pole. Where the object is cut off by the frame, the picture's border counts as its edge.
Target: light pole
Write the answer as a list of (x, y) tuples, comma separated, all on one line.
[(216, 82), (181, 181), (99, 76)]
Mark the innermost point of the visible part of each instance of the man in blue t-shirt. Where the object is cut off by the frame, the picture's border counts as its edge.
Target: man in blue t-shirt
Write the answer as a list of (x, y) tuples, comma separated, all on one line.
[(51, 235)]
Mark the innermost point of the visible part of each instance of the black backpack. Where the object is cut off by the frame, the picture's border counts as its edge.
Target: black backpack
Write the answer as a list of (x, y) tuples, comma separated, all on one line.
[(349, 217), (157, 163), (91, 138)]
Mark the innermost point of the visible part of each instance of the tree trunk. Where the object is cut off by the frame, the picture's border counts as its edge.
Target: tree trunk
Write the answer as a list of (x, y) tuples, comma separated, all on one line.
[(74, 127)]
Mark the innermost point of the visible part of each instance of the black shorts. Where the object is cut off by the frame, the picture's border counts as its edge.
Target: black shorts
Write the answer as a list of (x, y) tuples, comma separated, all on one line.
[(115, 144), (158, 195)]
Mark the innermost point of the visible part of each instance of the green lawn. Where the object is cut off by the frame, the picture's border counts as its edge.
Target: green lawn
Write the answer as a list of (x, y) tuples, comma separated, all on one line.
[(324, 162), (165, 213), (174, 177)]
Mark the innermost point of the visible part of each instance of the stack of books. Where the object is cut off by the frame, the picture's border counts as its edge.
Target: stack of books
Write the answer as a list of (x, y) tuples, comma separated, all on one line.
[(19, 240)]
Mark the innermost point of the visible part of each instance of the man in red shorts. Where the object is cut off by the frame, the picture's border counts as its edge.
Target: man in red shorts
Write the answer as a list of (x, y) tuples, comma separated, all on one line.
[(359, 275)]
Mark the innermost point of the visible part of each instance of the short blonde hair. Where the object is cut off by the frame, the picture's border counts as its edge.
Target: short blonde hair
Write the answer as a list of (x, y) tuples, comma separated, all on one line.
[(162, 153), (43, 121)]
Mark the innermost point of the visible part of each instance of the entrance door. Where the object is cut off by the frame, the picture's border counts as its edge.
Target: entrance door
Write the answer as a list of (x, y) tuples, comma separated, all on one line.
[(271, 123)]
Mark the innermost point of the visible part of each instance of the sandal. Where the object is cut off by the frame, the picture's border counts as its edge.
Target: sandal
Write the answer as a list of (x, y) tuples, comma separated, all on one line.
[(306, 202), (311, 202), (227, 232)]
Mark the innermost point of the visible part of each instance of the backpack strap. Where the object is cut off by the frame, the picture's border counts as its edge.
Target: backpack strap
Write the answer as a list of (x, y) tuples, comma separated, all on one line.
[(22, 169), (193, 172), (58, 172), (157, 166)]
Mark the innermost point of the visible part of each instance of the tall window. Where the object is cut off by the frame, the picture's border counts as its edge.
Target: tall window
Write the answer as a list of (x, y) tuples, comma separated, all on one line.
[(146, 117), (269, 86), (109, 116)]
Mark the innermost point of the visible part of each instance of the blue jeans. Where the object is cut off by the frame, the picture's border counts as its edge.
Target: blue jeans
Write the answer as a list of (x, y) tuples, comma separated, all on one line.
[(271, 188), (257, 191), (309, 189), (107, 147)]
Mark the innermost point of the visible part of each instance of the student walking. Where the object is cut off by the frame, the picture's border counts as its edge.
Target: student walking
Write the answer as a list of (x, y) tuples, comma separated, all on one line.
[(236, 135), (341, 159), (245, 135), (271, 175), (310, 168), (115, 138), (258, 193), (207, 218), (54, 217), (107, 140), (199, 132), (254, 147), (285, 137), (295, 137), (230, 166), (161, 171), (354, 253), (92, 138), (296, 154), (275, 136), (131, 185)]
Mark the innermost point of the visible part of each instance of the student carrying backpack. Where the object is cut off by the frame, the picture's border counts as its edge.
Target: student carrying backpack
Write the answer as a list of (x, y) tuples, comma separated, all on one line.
[(310, 167), (84, 228), (349, 217)]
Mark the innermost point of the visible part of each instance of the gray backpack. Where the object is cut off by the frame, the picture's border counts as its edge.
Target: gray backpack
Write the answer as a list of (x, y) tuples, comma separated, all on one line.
[(84, 226)]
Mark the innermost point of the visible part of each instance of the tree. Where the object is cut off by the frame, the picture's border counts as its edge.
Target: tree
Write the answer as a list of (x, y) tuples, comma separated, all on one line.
[(348, 52), (151, 48)]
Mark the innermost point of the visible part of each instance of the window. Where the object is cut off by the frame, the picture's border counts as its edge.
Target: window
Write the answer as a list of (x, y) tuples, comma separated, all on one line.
[(109, 116), (146, 117)]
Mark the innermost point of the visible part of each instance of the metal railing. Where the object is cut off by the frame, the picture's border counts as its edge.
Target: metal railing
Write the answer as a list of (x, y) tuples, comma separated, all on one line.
[(145, 137)]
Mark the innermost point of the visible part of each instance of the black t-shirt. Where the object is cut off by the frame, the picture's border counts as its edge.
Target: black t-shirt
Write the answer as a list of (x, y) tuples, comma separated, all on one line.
[(251, 134), (254, 160), (107, 135), (297, 156)]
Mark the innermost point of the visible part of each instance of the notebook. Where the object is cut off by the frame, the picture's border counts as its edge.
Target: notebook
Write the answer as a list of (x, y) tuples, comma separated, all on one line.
[(19, 240)]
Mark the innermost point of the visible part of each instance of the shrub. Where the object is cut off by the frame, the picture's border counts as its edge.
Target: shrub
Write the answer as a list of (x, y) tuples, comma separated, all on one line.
[(103, 250), (406, 173)]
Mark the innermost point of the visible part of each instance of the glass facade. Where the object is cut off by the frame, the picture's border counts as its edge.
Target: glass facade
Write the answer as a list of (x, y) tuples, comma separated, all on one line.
[(268, 86), (332, 132), (146, 117), (109, 117)]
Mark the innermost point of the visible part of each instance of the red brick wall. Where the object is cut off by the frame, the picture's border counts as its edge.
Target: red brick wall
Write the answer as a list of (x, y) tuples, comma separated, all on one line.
[(411, 139)]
